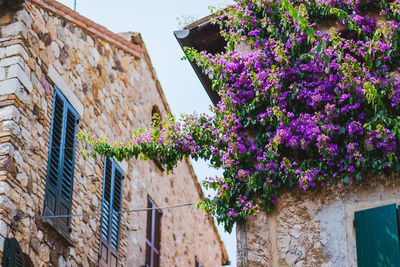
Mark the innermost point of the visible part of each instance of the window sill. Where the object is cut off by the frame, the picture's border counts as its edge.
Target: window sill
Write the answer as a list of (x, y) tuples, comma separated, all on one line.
[(53, 227)]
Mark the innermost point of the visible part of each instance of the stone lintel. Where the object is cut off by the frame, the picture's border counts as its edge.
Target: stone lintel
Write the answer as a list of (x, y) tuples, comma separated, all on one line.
[(14, 29), (65, 89), (14, 60)]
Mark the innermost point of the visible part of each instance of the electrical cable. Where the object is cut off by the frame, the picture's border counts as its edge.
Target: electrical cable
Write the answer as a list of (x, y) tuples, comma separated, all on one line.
[(20, 217)]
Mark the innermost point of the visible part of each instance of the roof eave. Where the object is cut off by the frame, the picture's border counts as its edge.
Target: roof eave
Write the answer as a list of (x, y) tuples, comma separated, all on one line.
[(204, 36)]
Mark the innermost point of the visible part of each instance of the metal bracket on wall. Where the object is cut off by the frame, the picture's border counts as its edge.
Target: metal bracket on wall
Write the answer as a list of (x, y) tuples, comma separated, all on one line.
[(244, 258)]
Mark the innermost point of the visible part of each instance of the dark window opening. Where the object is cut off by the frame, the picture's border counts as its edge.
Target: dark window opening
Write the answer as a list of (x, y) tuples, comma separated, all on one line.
[(156, 121), (156, 117)]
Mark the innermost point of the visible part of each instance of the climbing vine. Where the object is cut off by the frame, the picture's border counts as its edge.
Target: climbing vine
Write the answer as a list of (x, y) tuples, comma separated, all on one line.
[(316, 102)]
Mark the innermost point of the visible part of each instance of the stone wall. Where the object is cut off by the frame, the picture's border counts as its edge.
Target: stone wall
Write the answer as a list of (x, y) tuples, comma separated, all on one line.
[(112, 85), (315, 228)]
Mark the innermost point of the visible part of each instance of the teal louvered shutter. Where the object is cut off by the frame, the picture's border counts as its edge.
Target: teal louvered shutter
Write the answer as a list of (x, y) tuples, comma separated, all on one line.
[(67, 176), (377, 237), (106, 205), (60, 169), (55, 154), (110, 223), (12, 254), (115, 218)]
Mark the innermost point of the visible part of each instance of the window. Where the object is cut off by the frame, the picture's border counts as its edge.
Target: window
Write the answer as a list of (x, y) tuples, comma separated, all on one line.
[(12, 255), (153, 235), (377, 236), (156, 116), (60, 166), (198, 263), (156, 120), (110, 223)]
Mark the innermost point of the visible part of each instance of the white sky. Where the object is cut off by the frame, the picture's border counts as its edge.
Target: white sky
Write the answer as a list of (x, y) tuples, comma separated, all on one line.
[(156, 20)]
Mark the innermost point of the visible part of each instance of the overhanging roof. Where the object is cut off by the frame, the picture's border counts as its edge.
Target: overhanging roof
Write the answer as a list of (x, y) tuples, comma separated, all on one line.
[(203, 36)]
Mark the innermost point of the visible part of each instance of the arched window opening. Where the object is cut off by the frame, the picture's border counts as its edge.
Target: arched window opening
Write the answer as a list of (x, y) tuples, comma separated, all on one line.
[(156, 116), (156, 120)]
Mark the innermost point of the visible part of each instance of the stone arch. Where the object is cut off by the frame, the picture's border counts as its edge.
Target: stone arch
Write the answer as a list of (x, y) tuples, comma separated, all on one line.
[(156, 115)]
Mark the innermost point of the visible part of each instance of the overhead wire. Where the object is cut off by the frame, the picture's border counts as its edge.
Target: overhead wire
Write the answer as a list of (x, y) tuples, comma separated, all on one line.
[(20, 217)]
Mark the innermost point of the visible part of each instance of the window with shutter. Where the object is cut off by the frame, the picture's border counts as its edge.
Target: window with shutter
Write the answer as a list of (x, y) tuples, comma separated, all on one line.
[(60, 166), (377, 236), (198, 263), (12, 254), (110, 220), (153, 235)]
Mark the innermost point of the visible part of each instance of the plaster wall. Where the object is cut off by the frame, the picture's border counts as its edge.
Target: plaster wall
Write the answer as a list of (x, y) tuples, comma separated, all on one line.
[(315, 228)]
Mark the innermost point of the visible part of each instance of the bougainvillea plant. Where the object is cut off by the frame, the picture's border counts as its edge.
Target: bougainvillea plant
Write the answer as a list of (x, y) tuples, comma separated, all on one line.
[(316, 102)]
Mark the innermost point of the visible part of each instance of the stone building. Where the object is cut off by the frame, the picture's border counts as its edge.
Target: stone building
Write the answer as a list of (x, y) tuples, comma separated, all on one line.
[(357, 224), (60, 74)]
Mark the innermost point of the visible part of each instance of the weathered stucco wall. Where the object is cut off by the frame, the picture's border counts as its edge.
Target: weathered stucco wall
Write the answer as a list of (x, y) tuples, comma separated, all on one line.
[(315, 228), (112, 85)]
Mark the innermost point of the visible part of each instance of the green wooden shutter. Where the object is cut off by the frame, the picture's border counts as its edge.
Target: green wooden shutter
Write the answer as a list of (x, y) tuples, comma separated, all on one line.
[(60, 169), (377, 237), (12, 255)]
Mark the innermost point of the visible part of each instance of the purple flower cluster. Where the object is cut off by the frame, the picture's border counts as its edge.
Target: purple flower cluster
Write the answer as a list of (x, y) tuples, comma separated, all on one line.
[(304, 108)]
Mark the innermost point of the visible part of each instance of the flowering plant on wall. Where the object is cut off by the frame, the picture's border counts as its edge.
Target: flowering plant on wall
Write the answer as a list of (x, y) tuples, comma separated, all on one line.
[(316, 102)]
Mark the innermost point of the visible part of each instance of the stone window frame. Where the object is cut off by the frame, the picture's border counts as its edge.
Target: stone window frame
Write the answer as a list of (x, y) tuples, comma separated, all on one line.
[(197, 262), (64, 229), (109, 247), (153, 234)]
